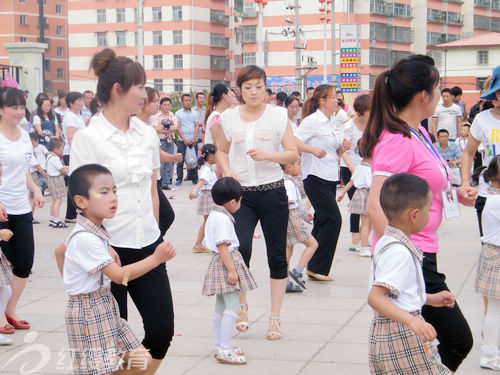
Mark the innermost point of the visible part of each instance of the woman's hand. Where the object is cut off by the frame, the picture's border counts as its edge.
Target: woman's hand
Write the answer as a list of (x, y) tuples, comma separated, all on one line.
[(319, 153), (346, 145), (257, 154), (466, 195), (3, 213), (441, 299), (38, 199)]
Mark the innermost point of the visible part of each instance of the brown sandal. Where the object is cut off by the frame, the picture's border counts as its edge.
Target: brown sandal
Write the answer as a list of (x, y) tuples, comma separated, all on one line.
[(274, 332), (242, 322)]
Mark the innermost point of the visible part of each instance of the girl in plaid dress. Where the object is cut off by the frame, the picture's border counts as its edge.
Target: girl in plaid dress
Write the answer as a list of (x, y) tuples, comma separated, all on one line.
[(100, 341), (362, 181), (227, 273), (487, 280), (57, 188), (296, 230), (400, 340), (203, 188)]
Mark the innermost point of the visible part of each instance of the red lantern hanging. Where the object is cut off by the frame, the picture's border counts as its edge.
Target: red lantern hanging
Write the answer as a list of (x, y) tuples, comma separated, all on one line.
[(264, 3), (258, 1), (321, 1), (321, 9)]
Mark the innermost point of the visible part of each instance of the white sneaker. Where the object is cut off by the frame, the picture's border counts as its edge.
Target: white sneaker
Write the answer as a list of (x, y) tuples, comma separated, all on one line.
[(365, 252), (490, 358), (5, 340)]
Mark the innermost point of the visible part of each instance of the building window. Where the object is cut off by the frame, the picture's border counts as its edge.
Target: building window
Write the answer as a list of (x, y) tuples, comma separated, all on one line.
[(158, 62), (23, 39), (120, 15), (178, 85), (482, 57), (121, 38), (59, 51), (249, 34), (101, 15), (226, 43), (217, 16), (156, 13), (249, 58), (157, 38), (217, 40), (177, 13), (60, 73), (22, 1), (23, 20), (480, 83), (177, 36), (58, 9), (102, 39), (178, 62), (47, 65), (158, 84), (59, 31)]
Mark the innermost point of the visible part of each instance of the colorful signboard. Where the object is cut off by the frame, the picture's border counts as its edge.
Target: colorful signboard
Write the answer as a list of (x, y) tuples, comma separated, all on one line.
[(350, 58)]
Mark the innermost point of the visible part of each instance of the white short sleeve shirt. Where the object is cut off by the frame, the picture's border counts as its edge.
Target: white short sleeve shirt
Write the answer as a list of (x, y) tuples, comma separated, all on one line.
[(266, 134), (220, 229), (54, 165), (293, 193), (131, 157), (491, 220), (447, 118), (362, 176), (71, 120), (15, 157), (353, 134), (207, 174), (319, 131)]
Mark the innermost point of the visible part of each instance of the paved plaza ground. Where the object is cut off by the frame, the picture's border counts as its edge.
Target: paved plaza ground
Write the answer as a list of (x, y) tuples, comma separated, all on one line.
[(325, 330)]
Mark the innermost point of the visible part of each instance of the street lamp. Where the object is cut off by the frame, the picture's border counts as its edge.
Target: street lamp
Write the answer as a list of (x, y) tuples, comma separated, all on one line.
[(325, 19)]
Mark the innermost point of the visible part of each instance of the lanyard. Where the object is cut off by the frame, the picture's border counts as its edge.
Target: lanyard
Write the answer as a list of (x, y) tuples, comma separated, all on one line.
[(432, 149)]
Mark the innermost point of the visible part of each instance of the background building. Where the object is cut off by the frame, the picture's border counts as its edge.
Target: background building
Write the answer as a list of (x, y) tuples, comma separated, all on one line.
[(188, 45), (19, 22)]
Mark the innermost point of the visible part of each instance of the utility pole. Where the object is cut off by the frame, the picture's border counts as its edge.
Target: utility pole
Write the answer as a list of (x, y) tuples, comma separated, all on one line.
[(298, 51), (333, 48), (260, 57), (140, 34), (41, 26)]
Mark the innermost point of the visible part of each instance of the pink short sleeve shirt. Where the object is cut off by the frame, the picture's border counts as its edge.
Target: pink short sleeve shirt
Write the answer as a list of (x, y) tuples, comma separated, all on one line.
[(395, 153)]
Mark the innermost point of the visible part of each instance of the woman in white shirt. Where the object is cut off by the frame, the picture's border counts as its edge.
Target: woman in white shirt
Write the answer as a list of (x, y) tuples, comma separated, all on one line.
[(220, 99), (354, 129), (62, 107), (292, 108), (318, 139), (16, 152), (71, 124), (130, 149), (248, 150)]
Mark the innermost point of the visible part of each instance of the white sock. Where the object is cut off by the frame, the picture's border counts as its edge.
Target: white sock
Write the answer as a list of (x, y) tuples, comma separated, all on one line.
[(217, 323), (226, 331), (299, 269), (55, 219), (5, 293), (491, 326)]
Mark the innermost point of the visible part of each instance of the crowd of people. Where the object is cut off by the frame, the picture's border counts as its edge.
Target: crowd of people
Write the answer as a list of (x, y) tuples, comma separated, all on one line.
[(252, 156)]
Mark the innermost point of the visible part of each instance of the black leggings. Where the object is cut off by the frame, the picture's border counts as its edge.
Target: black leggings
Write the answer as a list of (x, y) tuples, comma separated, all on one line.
[(479, 206), (453, 332), (327, 222), (21, 247), (152, 297), (167, 214), (345, 175), (271, 208), (70, 205)]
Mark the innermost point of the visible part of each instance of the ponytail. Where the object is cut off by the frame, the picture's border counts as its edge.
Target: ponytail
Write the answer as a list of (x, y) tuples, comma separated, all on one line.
[(492, 173), (311, 105), (394, 89), (214, 98)]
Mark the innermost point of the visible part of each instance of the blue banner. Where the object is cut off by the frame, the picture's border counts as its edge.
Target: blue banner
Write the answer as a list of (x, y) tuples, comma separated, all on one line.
[(287, 83)]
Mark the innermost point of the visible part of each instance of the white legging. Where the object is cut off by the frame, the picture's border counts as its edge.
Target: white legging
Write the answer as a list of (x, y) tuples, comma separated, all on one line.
[(491, 326), (5, 293)]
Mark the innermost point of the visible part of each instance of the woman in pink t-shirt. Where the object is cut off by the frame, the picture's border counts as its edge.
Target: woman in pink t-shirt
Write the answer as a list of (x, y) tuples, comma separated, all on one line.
[(404, 96)]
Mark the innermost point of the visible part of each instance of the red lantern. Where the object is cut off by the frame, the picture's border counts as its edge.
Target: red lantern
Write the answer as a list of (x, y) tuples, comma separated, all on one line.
[(328, 10), (258, 1), (321, 1), (322, 18), (321, 9), (264, 3), (328, 1), (328, 20)]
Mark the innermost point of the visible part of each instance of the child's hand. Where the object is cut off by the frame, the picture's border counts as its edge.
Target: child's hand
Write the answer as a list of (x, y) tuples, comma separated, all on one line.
[(164, 252), (340, 197), (422, 329), (191, 196), (309, 218), (232, 277), (441, 299), (6, 234)]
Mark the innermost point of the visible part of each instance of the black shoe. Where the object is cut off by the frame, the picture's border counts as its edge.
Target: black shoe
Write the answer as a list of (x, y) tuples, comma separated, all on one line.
[(292, 288), (187, 178), (195, 182), (165, 187)]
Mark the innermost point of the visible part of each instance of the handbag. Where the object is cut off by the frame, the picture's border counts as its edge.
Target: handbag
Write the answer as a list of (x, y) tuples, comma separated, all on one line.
[(191, 158)]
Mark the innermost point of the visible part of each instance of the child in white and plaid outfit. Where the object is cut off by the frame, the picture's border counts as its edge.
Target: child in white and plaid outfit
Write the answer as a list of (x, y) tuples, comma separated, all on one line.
[(400, 340), (100, 341), (203, 188), (227, 273), (487, 280), (296, 230), (55, 181)]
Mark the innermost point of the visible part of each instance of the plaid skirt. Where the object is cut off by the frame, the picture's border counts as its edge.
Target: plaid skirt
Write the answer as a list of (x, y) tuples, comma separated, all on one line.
[(296, 231), (357, 205), (97, 336), (205, 203), (56, 186), (395, 349), (488, 271), (216, 276), (34, 177), (5, 270)]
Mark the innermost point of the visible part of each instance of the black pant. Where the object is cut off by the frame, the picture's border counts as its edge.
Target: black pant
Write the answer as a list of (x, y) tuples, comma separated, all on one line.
[(167, 214), (345, 175), (327, 222), (453, 332), (193, 172), (479, 206), (70, 205), (21, 248), (152, 297), (271, 208)]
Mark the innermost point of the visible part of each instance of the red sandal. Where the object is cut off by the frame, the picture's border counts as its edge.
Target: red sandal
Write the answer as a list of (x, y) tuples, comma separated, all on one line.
[(18, 324), (7, 329)]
